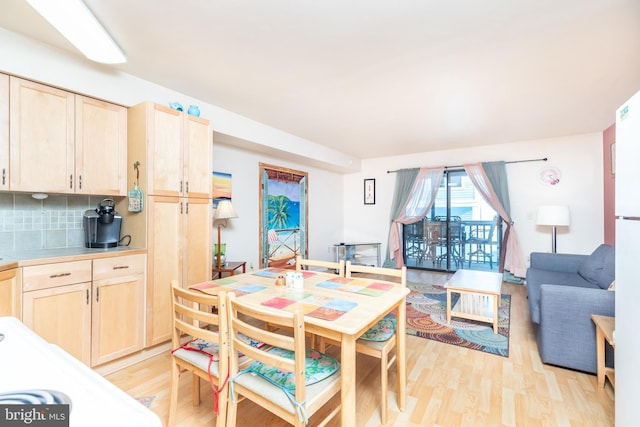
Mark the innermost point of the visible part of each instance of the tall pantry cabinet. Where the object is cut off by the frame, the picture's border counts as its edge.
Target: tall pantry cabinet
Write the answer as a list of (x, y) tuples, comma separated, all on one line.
[(175, 154)]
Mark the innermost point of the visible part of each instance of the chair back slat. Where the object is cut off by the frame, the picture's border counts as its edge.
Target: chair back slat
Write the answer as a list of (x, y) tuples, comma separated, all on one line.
[(309, 264), (395, 273)]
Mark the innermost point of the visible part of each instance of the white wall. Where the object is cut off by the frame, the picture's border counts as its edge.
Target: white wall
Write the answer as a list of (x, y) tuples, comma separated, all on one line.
[(579, 159), (241, 235)]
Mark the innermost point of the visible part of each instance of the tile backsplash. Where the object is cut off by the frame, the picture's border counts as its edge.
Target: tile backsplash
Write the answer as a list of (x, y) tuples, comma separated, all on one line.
[(55, 222)]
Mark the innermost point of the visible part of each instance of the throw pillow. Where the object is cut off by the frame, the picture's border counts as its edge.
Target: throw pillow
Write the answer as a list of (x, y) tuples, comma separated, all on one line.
[(591, 268), (318, 367)]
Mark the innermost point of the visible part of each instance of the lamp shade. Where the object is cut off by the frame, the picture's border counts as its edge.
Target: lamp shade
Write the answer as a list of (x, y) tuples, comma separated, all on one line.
[(553, 215), (225, 210)]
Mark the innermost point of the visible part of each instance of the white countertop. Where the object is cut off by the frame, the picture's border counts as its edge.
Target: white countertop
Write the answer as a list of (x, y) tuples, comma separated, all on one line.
[(28, 362)]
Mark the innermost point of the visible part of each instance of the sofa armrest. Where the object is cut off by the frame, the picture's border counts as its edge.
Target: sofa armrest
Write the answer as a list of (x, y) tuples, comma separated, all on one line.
[(567, 263), (567, 335)]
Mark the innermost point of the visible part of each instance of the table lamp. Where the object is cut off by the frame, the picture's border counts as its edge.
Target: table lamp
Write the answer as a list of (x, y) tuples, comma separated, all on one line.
[(555, 216), (223, 211)]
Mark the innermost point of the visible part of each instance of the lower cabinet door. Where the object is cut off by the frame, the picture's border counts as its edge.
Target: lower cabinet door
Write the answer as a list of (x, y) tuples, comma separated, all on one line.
[(118, 318), (62, 316)]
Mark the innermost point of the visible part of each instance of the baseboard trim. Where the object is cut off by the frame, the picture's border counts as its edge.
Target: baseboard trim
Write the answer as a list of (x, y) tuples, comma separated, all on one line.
[(132, 359)]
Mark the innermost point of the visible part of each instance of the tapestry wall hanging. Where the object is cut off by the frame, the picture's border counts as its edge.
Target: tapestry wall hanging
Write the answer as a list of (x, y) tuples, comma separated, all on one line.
[(283, 216)]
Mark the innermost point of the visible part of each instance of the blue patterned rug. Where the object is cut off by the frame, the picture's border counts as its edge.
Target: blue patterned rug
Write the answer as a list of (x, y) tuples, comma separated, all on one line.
[(427, 318)]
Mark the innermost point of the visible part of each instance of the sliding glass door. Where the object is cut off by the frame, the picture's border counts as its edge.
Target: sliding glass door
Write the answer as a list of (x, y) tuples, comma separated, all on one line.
[(460, 231)]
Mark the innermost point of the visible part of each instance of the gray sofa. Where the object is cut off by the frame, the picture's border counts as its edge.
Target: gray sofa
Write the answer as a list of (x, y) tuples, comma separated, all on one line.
[(563, 291)]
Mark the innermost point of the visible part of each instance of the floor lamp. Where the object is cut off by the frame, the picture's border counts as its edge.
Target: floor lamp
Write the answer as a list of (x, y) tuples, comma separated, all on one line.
[(223, 211), (554, 216)]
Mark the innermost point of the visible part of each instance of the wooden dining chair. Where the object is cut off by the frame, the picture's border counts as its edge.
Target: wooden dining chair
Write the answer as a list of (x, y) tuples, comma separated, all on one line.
[(312, 264), (284, 377), (379, 341), (200, 346)]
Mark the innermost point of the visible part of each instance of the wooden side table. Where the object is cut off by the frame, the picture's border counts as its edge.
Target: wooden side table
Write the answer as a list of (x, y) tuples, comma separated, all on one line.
[(604, 331), (229, 267)]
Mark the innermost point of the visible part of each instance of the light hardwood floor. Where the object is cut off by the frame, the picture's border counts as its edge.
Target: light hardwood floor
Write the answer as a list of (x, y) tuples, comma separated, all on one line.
[(448, 386)]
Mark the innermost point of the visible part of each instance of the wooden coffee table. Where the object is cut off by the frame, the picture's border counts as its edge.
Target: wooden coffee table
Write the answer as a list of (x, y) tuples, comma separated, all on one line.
[(479, 296)]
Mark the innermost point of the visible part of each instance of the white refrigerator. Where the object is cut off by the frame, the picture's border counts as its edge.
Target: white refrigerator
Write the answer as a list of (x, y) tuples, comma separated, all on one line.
[(627, 210)]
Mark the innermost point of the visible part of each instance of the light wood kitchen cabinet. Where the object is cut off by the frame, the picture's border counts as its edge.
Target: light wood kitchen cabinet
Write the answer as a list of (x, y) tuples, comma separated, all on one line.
[(178, 153), (93, 309), (4, 132), (41, 136), (179, 247), (117, 308), (100, 147), (165, 263), (197, 157), (11, 292), (61, 142), (176, 225), (56, 304)]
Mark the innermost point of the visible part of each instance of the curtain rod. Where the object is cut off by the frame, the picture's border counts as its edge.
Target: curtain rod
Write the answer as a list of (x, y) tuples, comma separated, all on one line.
[(544, 159)]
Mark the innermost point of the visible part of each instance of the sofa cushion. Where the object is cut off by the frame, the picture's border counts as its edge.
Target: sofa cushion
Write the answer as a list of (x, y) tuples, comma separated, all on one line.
[(537, 277), (598, 267)]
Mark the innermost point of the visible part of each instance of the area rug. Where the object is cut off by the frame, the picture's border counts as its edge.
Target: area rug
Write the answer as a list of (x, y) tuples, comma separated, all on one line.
[(427, 318)]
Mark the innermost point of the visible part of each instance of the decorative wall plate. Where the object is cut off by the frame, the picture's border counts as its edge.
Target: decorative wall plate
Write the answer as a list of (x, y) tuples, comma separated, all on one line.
[(550, 175)]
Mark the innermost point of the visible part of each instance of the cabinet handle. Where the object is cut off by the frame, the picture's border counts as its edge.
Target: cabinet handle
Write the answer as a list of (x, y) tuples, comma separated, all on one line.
[(98, 294), (87, 296), (71, 182), (187, 207), (181, 187), (53, 276), (80, 181), (4, 176), (120, 267), (187, 184), (180, 208)]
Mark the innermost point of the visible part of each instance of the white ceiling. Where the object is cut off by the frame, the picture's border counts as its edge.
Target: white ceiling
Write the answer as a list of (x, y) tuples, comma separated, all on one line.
[(373, 78)]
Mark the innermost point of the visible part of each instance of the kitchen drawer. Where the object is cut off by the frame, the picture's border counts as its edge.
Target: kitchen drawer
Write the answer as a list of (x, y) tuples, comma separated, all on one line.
[(126, 265), (57, 274)]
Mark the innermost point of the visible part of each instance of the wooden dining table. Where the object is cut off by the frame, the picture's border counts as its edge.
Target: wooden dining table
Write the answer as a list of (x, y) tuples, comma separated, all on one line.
[(335, 307)]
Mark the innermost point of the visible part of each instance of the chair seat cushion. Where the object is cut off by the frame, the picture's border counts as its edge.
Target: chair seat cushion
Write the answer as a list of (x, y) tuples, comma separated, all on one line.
[(212, 349), (318, 367), (382, 331)]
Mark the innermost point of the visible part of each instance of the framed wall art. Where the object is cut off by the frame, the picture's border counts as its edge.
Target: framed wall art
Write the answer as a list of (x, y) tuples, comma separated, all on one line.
[(370, 191), (221, 187)]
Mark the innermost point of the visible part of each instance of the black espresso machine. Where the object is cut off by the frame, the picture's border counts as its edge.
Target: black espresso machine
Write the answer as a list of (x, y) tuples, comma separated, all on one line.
[(102, 225)]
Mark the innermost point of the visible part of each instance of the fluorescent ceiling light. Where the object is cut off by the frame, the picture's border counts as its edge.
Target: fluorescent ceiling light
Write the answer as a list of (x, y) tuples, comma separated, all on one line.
[(74, 20)]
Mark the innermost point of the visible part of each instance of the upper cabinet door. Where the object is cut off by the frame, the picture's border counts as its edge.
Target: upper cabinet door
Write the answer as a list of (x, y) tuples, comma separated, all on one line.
[(4, 132), (41, 138), (197, 159), (165, 151), (101, 147)]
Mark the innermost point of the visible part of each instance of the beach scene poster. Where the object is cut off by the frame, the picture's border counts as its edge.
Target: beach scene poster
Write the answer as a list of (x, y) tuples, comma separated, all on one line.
[(284, 217), (221, 187)]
